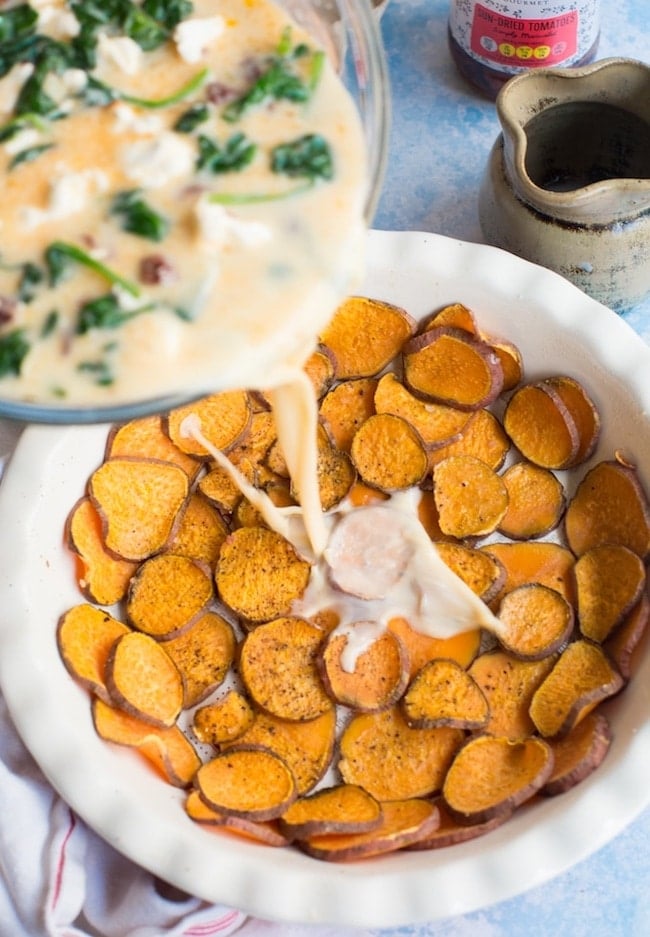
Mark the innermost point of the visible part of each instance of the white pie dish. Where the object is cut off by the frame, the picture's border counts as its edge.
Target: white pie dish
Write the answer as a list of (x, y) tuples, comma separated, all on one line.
[(558, 329)]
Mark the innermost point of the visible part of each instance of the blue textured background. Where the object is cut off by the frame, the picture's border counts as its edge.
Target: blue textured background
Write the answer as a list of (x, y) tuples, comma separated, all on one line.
[(441, 136)]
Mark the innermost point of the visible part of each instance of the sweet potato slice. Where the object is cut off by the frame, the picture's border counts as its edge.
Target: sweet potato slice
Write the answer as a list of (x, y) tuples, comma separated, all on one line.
[(365, 334), (373, 679), (429, 518), (102, 577), (255, 443), (247, 514), (200, 533), (219, 488), (421, 648), (335, 472), (537, 621), (447, 365), (471, 498), (223, 721), (85, 636), (278, 664), (625, 644), (306, 746), (583, 411), (259, 574), (508, 683), (484, 574), (320, 368), (342, 808), (482, 437), (542, 561), (249, 782), (444, 694), (610, 580), (224, 420), (388, 453), (536, 502), (492, 775), (138, 501), (168, 594), (580, 679), (609, 506), (265, 832), (541, 427), (346, 407), (143, 680), (450, 832), (456, 315), (436, 423), (146, 438), (383, 754), (578, 754), (167, 749), (203, 654), (512, 362), (361, 495), (404, 822)]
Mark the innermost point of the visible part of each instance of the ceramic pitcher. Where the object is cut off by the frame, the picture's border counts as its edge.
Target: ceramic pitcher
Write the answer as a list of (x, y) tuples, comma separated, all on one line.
[(568, 180)]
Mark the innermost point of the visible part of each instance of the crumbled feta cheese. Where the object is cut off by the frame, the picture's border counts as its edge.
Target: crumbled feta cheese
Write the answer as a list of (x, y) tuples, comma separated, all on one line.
[(119, 51), (153, 163), (69, 194), (217, 226), (22, 141), (56, 22), (127, 301), (127, 119), (11, 84), (193, 36), (69, 82)]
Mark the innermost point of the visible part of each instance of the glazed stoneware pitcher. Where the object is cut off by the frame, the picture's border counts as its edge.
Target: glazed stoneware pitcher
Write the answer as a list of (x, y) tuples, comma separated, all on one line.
[(568, 180)]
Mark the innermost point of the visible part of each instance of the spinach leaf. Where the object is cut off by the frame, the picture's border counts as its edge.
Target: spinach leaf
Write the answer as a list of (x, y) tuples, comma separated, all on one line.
[(308, 156), (168, 12), (144, 29), (17, 21), (279, 80), (100, 370), (16, 124), (191, 118), (47, 56), (29, 154), (98, 94), (13, 348), (138, 217), (50, 323), (105, 312), (234, 155), (59, 254), (31, 277), (174, 98)]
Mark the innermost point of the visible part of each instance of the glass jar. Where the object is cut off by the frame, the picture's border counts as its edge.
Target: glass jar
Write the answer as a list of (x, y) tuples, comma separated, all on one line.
[(492, 40)]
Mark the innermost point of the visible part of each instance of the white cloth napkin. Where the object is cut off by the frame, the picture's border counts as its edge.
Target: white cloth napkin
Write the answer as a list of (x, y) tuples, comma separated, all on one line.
[(58, 879)]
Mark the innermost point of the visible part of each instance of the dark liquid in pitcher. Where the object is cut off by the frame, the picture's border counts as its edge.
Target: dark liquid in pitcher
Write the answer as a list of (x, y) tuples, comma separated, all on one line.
[(578, 143)]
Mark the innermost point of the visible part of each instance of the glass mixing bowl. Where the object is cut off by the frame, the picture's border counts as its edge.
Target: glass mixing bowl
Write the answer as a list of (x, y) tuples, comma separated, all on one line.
[(349, 32)]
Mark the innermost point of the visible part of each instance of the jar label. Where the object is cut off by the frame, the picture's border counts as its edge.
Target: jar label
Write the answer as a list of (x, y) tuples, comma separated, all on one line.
[(507, 40), (542, 34)]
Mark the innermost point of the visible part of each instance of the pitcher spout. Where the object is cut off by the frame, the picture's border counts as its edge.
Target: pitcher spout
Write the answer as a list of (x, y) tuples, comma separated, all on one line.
[(577, 141)]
